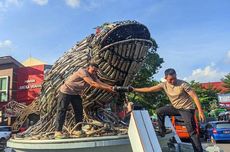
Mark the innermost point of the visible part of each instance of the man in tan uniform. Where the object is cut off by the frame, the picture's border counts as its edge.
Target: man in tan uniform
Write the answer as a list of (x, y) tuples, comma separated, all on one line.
[(70, 92), (181, 96)]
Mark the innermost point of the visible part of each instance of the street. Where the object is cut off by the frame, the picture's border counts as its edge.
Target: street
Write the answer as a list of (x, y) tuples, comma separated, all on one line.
[(225, 146)]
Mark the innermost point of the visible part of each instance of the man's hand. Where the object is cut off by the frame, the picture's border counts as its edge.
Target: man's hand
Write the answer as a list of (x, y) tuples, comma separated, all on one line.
[(130, 89), (111, 89), (201, 116)]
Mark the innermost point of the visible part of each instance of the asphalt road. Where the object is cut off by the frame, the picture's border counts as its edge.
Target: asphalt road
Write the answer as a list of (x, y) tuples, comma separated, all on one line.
[(225, 146)]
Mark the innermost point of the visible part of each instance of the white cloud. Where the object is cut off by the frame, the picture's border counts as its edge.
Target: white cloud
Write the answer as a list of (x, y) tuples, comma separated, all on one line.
[(208, 74), (73, 3), (6, 45), (5, 4), (226, 58), (41, 2), (228, 54), (13, 2)]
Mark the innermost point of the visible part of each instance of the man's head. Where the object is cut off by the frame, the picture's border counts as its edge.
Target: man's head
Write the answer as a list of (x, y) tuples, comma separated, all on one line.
[(170, 76), (92, 68)]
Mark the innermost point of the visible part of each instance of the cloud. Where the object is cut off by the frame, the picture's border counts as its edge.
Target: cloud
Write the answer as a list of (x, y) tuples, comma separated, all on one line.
[(5, 4), (73, 3), (6, 45), (208, 74), (41, 2), (226, 58), (228, 54), (13, 2)]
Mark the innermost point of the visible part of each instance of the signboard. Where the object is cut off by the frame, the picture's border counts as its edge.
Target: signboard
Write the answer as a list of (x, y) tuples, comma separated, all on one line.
[(29, 82), (224, 100)]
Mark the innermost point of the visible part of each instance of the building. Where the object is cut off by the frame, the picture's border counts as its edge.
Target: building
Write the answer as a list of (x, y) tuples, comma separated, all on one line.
[(20, 82), (215, 85), (8, 79), (30, 79)]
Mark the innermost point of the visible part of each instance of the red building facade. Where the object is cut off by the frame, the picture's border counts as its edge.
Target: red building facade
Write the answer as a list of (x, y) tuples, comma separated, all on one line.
[(29, 81), (20, 82)]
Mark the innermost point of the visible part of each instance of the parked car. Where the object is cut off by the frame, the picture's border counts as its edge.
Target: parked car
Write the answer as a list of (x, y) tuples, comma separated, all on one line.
[(218, 130), (204, 124), (181, 130), (5, 133), (224, 116)]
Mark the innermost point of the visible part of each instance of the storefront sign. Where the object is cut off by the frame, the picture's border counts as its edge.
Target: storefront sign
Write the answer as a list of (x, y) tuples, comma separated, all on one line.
[(224, 100), (29, 83), (25, 87), (30, 86)]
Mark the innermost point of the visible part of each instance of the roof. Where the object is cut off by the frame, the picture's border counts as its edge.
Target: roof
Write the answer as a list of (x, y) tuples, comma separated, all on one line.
[(32, 62), (8, 60), (215, 85)]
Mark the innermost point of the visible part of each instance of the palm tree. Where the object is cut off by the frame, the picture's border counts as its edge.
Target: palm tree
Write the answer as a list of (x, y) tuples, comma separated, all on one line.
[(226, 81)]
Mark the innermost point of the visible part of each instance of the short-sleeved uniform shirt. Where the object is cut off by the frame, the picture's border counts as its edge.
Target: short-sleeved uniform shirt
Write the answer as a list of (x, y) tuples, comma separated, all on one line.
[(178, 94), (75, 84)]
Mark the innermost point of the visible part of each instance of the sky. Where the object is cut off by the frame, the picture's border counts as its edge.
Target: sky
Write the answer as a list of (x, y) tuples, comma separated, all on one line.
[(193, 36)]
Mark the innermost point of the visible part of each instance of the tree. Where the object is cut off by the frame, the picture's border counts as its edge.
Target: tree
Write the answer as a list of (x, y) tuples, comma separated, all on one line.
[(144, 78), (208, 97), (226, 81)]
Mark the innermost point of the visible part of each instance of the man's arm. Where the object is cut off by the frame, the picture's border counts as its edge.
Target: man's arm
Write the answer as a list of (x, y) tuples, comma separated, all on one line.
[(95, 84), (148, 89), (198, 105), (99, 81)]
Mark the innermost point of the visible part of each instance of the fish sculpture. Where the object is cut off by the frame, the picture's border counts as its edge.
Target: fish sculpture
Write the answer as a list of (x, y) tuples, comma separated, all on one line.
[(119, 49)]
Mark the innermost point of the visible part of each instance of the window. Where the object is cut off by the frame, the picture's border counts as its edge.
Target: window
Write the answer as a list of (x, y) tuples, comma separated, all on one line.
[(3, 89), (223, 125)]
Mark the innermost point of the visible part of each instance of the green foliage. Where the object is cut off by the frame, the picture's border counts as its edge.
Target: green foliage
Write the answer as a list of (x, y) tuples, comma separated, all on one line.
[(144, 78), (226, 81), (208, 97), (215, 112)]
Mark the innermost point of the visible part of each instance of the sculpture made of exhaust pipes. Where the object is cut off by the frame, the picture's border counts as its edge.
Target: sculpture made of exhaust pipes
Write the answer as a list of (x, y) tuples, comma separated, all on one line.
[(119, 49)]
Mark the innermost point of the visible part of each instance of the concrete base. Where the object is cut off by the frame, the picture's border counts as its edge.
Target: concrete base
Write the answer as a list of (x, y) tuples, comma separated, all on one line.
[(92, 144)]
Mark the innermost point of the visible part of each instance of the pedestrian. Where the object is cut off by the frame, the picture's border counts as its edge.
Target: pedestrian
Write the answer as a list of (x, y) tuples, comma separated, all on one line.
[(70, 92), (182, 98)]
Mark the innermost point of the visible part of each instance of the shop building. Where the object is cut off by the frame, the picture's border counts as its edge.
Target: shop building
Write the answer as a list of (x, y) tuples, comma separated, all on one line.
[(8, 79), (20, 82)]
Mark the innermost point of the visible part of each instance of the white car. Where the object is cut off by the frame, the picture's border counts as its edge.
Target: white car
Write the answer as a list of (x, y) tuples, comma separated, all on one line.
[(5, 133)]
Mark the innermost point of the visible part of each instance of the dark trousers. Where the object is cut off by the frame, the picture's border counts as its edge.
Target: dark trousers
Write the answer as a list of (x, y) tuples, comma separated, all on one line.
[(63, 102), (189, 121)]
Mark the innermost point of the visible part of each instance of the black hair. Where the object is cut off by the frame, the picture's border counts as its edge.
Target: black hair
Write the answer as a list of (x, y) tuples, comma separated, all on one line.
[(93, 64), (170, 71)]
